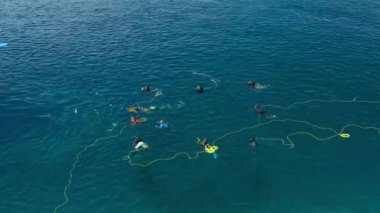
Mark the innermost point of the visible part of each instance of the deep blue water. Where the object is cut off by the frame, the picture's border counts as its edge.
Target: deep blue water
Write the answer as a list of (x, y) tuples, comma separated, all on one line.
[(93, 57)]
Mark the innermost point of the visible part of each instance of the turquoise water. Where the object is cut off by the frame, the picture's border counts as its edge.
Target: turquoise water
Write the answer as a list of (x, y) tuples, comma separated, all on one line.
[(92, 57)]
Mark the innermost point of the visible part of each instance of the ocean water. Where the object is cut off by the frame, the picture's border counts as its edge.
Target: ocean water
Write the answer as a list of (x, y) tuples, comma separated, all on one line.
[(72, 67)]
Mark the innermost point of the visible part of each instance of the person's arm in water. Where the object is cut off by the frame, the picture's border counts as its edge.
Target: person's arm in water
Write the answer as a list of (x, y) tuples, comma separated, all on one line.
[(199, 141), (203, 142), (137, 140)]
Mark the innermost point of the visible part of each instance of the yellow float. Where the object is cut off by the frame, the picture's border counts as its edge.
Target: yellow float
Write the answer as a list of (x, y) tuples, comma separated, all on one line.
[(211, 149)]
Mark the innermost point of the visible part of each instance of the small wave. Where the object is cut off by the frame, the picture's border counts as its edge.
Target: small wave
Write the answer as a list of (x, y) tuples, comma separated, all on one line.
[(48, 115), (261, 86)]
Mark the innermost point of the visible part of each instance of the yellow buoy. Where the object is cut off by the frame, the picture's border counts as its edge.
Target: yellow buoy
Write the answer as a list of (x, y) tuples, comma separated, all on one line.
[(211, 149), (344, 135)]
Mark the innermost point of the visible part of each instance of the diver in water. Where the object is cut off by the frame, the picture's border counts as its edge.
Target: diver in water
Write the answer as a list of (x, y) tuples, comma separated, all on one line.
[(199, 89), (145, 89), (259, 110), (140, 143)]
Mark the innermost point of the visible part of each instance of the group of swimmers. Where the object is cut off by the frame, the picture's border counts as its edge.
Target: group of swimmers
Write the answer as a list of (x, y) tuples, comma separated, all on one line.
[(206, 145), (134, 120), (139, 143)]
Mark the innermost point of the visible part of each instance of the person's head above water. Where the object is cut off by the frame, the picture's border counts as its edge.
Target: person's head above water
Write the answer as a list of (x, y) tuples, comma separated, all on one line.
[(252, 142), (199, 89), (145, 88), (251, 84), (139, 143), (138, 139), (259, 109), (162, 124)]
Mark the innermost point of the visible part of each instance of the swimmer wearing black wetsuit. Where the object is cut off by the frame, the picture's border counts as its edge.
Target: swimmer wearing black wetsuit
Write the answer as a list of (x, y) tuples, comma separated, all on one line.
[(137, 140), (253, 142), (140, 143), (145, 88), (251, 84), (205, 143), (199, 89)]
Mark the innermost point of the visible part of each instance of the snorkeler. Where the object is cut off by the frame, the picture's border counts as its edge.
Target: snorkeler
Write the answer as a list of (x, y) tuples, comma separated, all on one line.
[(259, 110), (140, 143), (251, 84), (253, 142), (162, 124), (211, 149), (145, 89), (199, 89)]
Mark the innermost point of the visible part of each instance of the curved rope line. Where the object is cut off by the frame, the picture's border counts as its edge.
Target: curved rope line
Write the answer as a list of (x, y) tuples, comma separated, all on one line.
[(129, 158), (288, 143), (73, 166), (320, 101)]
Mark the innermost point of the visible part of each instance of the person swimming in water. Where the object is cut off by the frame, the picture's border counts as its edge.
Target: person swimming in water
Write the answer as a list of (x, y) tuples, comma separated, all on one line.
[(162, 124), (259, 110), (145, 89), (203, 142), (137, 109), (251, 84), (158, 93), (139, 143), (199, 89), (253, 142), (254, 85), (135, 120)]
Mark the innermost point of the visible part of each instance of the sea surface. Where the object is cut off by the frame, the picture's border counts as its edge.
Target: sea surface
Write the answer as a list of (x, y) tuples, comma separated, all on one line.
[(71, 68)]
